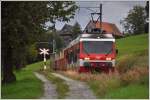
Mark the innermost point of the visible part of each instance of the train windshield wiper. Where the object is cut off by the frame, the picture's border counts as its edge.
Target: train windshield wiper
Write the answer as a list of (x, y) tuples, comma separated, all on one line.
[(86, 51), (108, 52)]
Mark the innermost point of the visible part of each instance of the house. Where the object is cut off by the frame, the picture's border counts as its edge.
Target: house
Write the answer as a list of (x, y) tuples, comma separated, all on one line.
[(66, 33), (108, 27)]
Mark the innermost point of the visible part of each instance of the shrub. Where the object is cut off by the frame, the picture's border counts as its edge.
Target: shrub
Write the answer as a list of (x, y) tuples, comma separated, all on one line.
[(125, 63), (99, 83), (135, 75), (102, 83)]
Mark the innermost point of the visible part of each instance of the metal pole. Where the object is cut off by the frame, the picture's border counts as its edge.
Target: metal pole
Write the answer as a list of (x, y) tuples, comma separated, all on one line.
[(101, 17), (53, 54), (53, 46)]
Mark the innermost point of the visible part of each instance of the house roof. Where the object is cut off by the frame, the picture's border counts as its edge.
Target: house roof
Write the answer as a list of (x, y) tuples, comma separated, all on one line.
[(66, 29), (109, 27)]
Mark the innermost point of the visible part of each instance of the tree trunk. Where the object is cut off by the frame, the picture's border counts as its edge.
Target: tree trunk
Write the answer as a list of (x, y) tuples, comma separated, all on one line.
[(8, 75)]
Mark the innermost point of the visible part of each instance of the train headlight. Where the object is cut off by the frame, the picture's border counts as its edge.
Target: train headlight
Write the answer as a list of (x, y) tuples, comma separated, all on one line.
[(108, 58), (86, 58)]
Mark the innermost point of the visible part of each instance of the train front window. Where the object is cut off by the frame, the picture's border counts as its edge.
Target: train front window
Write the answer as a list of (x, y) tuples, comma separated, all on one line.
[(97, 47)]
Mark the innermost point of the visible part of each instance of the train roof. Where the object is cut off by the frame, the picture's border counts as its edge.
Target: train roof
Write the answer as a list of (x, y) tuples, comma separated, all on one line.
[(98, 39), (89, 37)]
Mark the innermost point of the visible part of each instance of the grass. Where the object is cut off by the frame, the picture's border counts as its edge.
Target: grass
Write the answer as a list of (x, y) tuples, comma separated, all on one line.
[(133, 65), (61, 87), (132, 91), (27, 85), (132, 44)]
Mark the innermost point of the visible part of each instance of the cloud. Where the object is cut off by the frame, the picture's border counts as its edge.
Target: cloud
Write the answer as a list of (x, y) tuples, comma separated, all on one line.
[(113, 11)]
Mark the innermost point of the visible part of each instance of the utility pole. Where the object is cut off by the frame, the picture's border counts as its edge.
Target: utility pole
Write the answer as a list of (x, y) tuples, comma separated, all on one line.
[(94, 13), (53, 54), (101, 17), (54, 44)]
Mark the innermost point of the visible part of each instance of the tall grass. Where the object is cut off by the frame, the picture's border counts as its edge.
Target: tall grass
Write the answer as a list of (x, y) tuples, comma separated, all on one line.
[(129, 61), (135, 75), (99, 83)]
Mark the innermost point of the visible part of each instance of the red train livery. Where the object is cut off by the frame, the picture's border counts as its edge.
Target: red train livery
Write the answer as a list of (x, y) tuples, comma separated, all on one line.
[(87, 54)]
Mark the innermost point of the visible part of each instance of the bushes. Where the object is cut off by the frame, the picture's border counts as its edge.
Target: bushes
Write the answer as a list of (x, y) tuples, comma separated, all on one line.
[(127, 62), (136, 75), (134, 68)]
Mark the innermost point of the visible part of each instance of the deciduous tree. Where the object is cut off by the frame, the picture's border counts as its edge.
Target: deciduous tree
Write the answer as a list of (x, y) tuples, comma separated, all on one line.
[(135, 21), (23, 23), (76, 30)]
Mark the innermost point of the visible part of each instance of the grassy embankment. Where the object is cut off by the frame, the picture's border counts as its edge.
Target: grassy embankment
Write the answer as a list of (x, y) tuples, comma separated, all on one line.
[(28, 86), (133, 66), (131, 80)]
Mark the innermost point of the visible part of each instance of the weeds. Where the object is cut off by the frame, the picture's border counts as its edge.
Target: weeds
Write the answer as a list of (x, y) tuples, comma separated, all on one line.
[(125, 63), (135, 75)]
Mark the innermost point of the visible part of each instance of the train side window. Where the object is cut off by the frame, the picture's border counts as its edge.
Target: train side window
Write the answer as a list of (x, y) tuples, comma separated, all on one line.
[(78, 51), (70, 57)]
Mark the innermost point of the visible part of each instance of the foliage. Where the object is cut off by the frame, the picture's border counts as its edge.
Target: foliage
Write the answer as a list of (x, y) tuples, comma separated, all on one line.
[(32, 54), (128, 62), (23, 24), (135, 75), (49, 37), (58, 39), (61, 11), (76, 30), (135, 21)]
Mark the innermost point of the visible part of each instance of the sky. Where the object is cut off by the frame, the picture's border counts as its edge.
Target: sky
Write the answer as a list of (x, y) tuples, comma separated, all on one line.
[(112, 11)]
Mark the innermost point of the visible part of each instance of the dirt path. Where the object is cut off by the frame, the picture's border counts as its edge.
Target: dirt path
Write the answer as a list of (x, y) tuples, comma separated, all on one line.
[(78, 90), (49, 88)]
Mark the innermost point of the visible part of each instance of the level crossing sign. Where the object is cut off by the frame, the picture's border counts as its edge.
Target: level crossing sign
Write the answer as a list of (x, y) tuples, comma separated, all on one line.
[(44, 52)]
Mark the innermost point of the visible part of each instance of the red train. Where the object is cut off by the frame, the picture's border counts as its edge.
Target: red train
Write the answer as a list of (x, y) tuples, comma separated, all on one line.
[(87, 54)]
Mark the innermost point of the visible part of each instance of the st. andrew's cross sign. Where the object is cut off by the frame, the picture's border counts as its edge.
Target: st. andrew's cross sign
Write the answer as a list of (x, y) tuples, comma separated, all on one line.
[(44, 52)]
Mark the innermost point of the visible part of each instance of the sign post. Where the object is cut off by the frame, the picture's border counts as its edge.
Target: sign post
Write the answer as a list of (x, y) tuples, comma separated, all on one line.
[(44, 52)]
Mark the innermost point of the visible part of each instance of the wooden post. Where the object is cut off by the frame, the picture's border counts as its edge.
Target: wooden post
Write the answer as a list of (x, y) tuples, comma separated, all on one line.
[(44, 61)]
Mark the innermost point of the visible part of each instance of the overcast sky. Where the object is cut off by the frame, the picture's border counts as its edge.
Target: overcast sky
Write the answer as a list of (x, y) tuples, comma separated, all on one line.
[(113, 12)]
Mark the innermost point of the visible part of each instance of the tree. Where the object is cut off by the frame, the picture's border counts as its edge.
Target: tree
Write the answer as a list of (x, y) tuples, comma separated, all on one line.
[(135, 21), (147, 15), (23, 24), (76, 30), (147, 9)]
